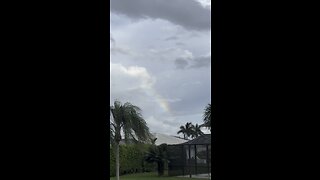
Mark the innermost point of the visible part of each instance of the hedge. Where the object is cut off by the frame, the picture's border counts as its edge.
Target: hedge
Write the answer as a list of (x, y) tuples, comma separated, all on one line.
[(131, 159)]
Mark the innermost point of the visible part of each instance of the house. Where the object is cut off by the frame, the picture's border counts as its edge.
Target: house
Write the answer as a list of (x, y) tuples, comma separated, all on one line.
[(191, 158)]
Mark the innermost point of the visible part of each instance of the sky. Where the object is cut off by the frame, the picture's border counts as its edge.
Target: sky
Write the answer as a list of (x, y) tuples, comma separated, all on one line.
[(161, 60)]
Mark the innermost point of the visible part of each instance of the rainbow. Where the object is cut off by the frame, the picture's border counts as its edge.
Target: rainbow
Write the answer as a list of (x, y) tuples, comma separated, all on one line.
[(162, 102)]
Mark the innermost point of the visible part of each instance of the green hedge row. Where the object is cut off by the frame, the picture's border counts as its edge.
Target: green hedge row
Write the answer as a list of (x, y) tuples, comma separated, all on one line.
[(131, 159)]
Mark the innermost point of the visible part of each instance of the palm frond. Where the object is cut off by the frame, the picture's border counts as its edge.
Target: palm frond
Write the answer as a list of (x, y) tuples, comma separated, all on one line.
[(207, 116), (127, 119)]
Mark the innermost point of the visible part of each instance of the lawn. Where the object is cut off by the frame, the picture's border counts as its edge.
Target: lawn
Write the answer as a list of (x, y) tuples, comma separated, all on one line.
[(150, 176)]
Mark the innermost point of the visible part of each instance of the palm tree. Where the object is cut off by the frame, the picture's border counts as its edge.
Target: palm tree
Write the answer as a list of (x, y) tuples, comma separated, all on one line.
[(183, 131), (196, 131), (207, 116), (126, 119), (158, 154), (186, 130)]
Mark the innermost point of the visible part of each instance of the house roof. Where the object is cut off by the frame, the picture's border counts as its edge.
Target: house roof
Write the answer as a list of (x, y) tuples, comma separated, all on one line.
[(204, 139), (163, 138)]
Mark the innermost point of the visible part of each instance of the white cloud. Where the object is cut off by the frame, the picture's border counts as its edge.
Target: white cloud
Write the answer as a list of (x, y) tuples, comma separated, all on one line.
[(129, 78), (205, 3)]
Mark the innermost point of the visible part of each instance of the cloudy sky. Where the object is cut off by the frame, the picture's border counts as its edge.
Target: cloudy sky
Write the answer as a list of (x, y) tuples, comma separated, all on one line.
[(161, 59)]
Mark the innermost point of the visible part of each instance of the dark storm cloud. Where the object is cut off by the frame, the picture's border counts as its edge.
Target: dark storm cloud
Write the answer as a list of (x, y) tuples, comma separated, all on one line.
[(187, 13), (181, 63)]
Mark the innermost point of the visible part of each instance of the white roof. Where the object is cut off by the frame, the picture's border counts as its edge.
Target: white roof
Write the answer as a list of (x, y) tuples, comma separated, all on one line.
[(163, 138)]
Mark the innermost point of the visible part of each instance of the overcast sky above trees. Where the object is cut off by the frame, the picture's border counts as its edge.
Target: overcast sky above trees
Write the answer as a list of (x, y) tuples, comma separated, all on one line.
[(161, 59)]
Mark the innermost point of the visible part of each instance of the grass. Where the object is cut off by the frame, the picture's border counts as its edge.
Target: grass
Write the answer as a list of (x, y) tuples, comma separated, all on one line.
[(150, 176)]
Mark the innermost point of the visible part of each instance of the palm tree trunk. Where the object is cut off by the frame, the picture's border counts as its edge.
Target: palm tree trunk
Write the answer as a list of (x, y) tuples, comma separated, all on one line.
[(117, 161)]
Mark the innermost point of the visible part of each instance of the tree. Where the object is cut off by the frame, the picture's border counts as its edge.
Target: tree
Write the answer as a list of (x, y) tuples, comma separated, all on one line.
[(207, 116), (186, 130), (196, 131), (158, 154), (126, 119)]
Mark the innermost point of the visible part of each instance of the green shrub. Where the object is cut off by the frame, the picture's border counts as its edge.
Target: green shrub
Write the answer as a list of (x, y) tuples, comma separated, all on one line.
[(131, 159)]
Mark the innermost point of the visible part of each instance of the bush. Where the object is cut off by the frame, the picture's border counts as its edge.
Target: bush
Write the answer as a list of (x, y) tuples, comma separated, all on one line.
[(131, 159)]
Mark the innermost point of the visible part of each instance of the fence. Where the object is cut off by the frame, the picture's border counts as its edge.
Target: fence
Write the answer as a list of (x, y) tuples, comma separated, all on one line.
[(189, 159)]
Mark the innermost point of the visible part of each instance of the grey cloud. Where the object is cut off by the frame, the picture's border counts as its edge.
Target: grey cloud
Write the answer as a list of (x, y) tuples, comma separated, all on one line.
[(193, 103), (194, 34), (184, 92), (119, 50), (193, 87), (112, 42), (180, 44), (171, 38), (201, 62), (115, 50), (181, 63), (171, 123), (187, 13)]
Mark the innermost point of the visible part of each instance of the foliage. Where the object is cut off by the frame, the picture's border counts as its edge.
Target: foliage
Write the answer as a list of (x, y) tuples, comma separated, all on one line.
[(207, 116), (190, 130), (127, 119), (158, 155), (131, 159), (186, 130), (196, 131)]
